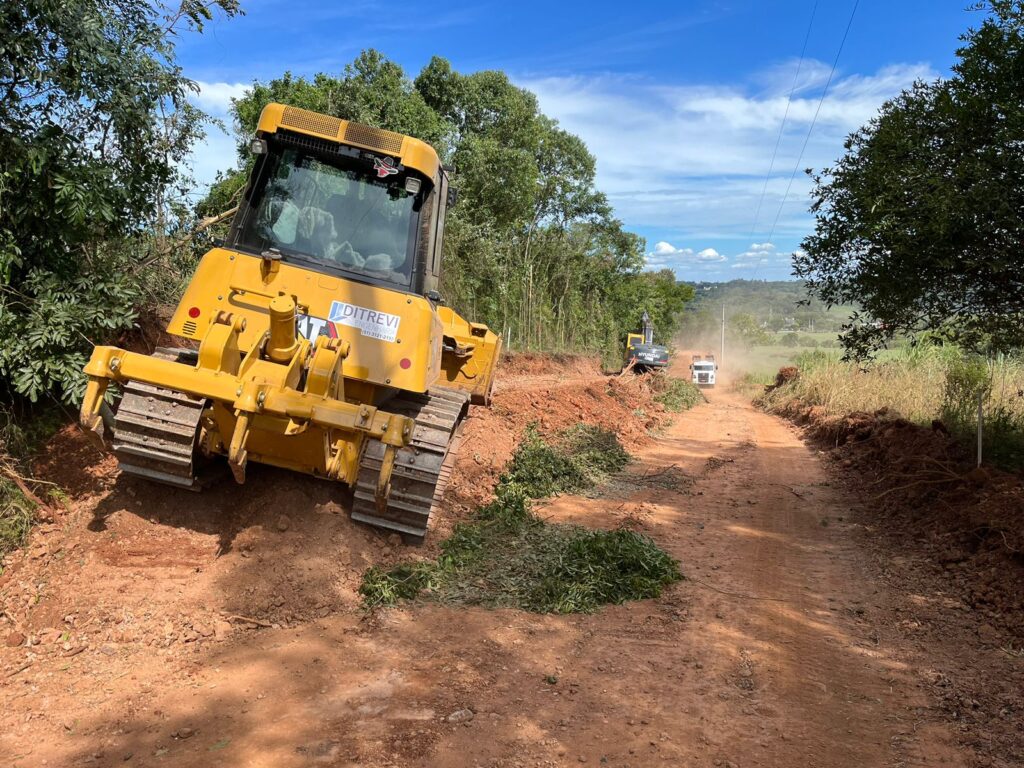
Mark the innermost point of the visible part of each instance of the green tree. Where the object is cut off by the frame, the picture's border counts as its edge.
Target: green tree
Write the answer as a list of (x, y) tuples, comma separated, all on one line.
[(921, 220), (743, 327), (93, 125)]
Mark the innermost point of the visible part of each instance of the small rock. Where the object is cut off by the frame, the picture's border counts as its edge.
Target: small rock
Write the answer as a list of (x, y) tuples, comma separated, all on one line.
[(283, 523), (395, 540), (184, 733), (222, 629), (14, 639), (49, 635), (203, 629), (460, 716)]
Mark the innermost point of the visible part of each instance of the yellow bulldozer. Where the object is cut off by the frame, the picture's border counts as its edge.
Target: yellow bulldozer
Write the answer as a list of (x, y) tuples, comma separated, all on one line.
[(319, 342)]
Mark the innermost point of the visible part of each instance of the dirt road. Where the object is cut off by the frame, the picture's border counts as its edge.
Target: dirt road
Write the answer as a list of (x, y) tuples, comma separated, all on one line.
[(781, 648)]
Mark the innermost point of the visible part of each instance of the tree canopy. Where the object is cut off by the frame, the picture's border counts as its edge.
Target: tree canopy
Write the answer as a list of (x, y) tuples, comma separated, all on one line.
[(921, 221), (93, 126)]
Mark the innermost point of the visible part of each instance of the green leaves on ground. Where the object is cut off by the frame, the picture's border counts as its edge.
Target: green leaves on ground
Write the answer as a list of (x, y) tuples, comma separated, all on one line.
[(507, 557), (677, 395), (579, 459)]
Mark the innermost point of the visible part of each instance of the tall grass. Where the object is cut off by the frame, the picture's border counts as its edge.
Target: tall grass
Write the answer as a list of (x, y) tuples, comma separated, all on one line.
[(922, 383)]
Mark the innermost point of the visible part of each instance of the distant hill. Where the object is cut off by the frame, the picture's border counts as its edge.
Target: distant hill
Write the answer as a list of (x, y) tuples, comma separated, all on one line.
[(773, 307)]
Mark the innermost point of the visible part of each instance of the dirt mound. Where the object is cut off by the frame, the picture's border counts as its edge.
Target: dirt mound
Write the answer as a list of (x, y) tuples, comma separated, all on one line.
[(518, 364), (783, 377), (623, 404)]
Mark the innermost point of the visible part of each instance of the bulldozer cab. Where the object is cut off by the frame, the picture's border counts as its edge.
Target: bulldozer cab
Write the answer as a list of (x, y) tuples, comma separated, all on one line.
[(343, 210)]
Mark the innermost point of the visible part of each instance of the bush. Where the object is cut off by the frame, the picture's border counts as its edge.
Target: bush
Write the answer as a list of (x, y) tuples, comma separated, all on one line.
[(18, 439), (16, 515)]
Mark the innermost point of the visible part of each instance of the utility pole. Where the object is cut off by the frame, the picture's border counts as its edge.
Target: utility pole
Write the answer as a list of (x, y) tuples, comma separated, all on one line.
[(722, 356)]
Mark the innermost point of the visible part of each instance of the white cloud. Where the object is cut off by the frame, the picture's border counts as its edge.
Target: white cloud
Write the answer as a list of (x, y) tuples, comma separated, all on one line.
[(667, 249), (217, 152), (690, 160), (216, 97), (762, 259), (710, 254)]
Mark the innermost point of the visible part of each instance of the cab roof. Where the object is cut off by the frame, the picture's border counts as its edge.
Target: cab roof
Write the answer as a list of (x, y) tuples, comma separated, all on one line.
[(413, 153)]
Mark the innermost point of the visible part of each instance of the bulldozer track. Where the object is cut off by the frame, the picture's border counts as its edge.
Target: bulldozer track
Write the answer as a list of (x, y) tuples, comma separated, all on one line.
[(156, 429), (422, 469)]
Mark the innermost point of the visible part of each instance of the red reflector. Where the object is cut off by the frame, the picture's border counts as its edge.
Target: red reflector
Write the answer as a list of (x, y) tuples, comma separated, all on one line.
[(193, 312), (405, 362)]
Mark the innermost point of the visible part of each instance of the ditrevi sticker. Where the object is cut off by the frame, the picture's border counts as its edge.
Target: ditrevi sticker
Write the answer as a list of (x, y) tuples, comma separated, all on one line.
[(370, 322)]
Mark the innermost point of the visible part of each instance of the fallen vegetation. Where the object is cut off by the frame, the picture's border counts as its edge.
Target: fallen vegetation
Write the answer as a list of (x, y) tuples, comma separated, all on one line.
[(677, 395), (506, 556), (21, 496)]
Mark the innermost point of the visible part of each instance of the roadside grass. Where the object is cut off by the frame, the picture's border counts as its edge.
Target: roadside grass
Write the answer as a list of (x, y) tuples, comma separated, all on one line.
[(752, 385), (16, 515), (922, 384), (506, 556)]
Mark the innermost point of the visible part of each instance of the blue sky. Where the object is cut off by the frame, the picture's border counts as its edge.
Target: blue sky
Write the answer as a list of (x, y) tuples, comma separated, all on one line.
[(681, 102)]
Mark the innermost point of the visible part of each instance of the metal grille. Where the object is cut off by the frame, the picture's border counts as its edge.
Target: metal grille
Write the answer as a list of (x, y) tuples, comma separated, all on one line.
[(310, 121), (308, 142), (189, 328), (375, 138)]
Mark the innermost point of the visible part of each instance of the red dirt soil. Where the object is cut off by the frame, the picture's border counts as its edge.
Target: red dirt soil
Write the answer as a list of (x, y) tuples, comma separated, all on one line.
[(155, 627), (954, 534)]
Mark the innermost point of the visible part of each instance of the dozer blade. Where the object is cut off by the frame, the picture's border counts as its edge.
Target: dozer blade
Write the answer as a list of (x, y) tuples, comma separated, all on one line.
[(156, 431), (422, 469)]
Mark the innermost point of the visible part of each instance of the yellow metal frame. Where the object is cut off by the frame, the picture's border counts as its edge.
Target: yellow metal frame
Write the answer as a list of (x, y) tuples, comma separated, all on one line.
[(470, 357), (307, 404), (244, 285), (256, 393)]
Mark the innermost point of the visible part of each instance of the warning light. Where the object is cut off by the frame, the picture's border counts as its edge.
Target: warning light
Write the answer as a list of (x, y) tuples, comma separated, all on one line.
[(193, 312), (405, 363)]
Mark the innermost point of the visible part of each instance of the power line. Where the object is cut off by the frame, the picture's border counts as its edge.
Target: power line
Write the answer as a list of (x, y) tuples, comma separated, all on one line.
[(814, 120), (785, 116)]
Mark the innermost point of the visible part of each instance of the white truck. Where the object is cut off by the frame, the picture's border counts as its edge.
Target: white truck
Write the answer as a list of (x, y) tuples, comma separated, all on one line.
[(703, 369)]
